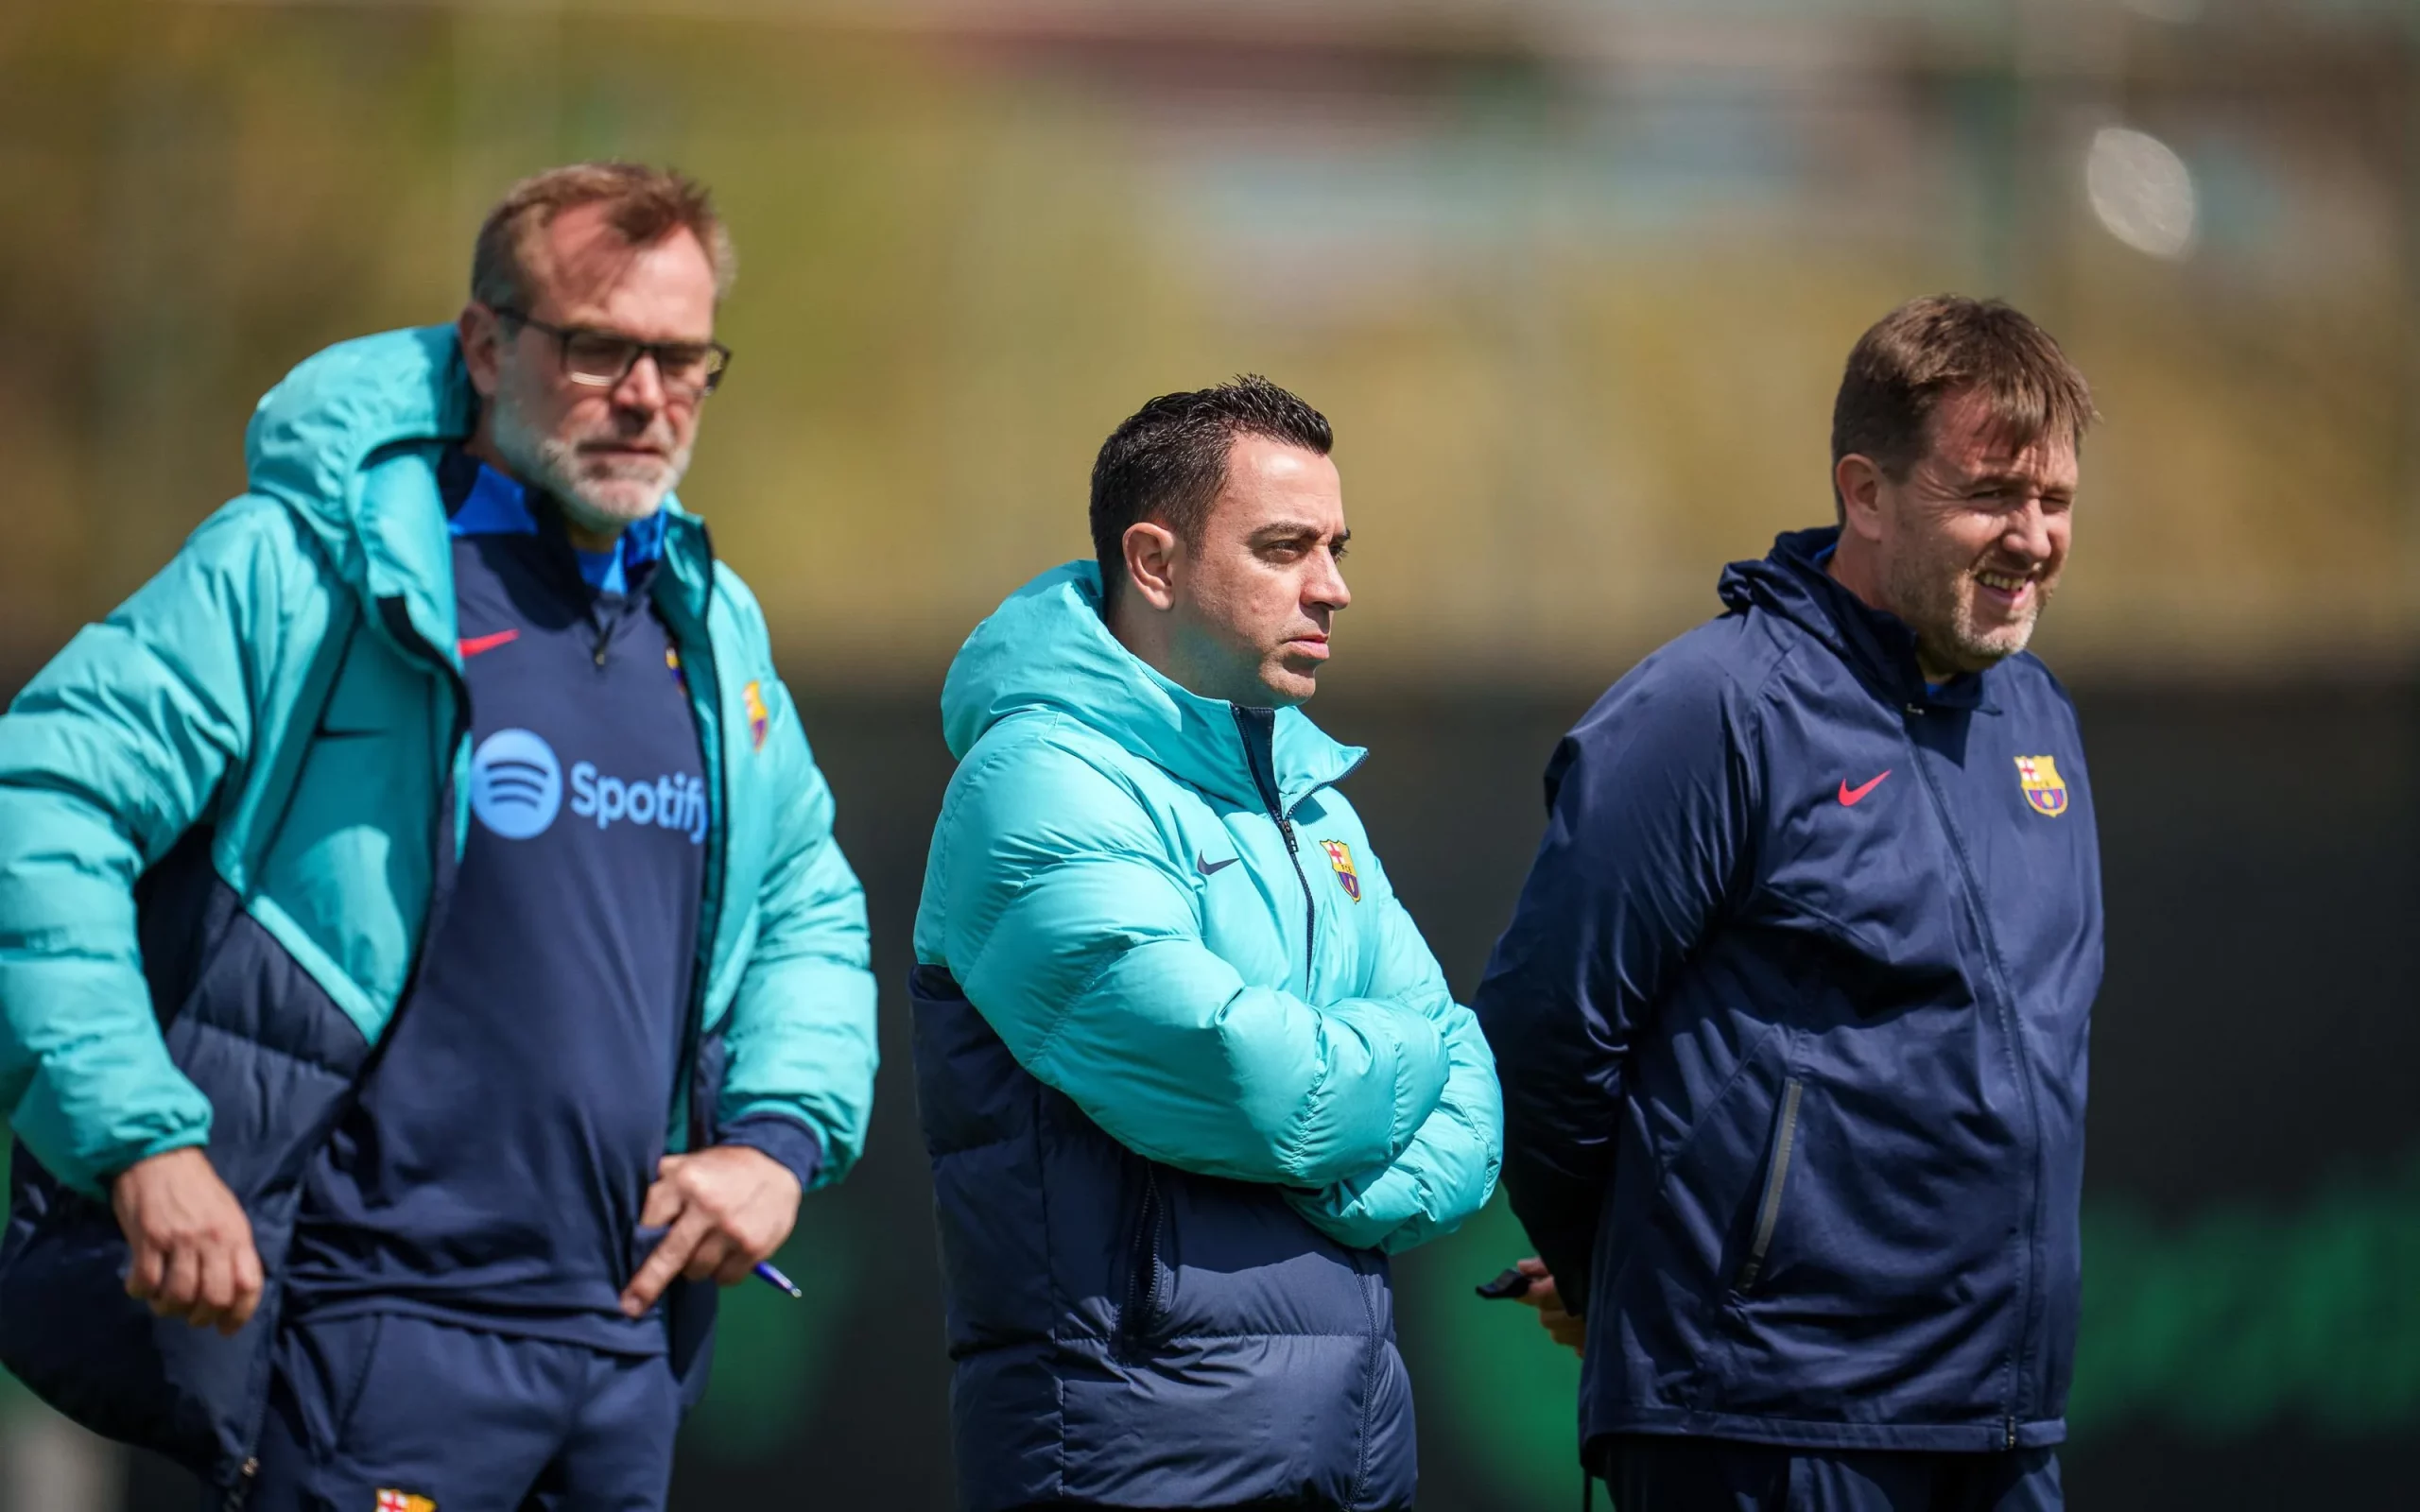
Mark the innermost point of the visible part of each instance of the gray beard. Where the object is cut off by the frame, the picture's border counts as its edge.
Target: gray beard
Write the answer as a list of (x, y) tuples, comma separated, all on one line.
[(551, 464)]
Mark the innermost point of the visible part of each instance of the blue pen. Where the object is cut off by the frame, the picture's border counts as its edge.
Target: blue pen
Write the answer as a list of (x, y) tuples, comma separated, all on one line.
[(773, 1276)]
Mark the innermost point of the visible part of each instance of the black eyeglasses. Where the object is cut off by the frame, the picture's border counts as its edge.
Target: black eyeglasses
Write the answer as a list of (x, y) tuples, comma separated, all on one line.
[(601, 359)]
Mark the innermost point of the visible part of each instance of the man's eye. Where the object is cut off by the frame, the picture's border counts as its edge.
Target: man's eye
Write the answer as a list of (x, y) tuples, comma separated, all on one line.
[(594, 353), (1337, 552)]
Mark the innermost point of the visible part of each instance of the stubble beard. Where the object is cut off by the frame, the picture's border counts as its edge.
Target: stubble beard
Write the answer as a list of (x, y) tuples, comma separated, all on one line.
[(1939, 605), (1283, 685), (599, 494)]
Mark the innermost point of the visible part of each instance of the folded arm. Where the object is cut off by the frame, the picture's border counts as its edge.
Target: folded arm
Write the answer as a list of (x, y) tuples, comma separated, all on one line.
[(1071, 930), (1449, 1169)]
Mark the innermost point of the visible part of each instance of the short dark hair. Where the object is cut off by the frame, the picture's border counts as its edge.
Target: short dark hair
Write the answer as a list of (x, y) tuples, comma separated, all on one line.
[(1168, 460), (1928, 349), (644, 205)]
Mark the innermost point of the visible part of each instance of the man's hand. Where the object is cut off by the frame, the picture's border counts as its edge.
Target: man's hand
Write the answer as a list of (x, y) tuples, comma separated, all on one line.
[(1567, 1330), (723, 1209), (191, 1242)]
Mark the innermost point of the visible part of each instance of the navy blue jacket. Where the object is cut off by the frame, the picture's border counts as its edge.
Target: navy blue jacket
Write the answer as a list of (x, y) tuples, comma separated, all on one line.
[(1791, 1027)]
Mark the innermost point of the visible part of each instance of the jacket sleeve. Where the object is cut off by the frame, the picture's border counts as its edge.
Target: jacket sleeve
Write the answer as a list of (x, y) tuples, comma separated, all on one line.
[(106, 758), (1448, 1171), (799, 1083), (1071, 930), (1647, 805)]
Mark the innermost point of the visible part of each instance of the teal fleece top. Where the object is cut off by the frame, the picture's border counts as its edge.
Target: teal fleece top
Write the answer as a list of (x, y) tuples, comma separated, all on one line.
[(1113, 891)]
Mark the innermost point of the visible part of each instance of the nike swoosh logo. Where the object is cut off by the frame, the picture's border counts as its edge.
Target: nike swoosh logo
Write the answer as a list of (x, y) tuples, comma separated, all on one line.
[(473, 646), (1851, 797), (1209, 866)]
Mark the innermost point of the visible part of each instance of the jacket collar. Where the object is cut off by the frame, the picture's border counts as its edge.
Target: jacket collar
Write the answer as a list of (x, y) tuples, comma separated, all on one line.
[(1047, 647), (1792, 581), (350, 440)]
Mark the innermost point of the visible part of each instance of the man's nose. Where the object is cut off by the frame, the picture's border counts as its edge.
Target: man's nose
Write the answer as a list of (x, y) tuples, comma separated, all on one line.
[(642, 387), (2029, 533), (1327, 588)]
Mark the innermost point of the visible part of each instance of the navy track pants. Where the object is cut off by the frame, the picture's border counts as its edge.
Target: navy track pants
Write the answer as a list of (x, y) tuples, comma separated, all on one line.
[(400, 1407), (1654, 1473)]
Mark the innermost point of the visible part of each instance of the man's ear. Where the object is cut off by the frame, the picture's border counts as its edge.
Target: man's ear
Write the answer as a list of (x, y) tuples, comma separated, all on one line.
[(482, 336), (1153, 553), (1857, 480)]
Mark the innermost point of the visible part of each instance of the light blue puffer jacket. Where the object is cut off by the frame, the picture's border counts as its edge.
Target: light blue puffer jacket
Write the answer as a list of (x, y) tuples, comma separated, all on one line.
[(227, 812), (1187, 1072)]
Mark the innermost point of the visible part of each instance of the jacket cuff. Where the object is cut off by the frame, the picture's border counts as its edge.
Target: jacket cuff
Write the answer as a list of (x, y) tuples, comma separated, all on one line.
[(785, 1140)]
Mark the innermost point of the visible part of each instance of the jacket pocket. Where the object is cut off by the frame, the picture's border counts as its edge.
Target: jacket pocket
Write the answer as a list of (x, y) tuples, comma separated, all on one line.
[(1137, 1317), (1784, 1143)]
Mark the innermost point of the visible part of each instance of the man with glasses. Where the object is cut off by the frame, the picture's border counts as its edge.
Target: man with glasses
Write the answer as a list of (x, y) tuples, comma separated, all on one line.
[(426, 959)]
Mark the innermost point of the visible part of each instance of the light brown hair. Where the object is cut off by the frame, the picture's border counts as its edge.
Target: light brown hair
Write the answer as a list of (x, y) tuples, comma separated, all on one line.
[(643, 206), (1928, 349)]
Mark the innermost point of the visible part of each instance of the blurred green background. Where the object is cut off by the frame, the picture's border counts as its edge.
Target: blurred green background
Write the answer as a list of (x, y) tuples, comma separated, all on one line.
[(1573, 279)]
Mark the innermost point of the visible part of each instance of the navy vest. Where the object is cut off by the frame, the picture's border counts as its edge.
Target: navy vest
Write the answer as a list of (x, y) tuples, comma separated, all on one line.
[(1126, 1334)]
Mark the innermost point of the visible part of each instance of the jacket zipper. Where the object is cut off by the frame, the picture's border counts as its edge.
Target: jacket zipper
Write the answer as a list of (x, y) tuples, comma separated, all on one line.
[(2017, 1068), (1310, 908), (1369, 1384), (700, 1130), (1258, 728), (1776, 1175), (1143, 1285)]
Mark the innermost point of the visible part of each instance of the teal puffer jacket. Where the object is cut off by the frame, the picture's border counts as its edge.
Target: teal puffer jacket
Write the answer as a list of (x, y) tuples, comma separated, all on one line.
[(1187, 1072), (225, 814)]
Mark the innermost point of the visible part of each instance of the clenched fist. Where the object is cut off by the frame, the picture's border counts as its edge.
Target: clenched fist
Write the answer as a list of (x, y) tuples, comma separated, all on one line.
[(191, 1242)]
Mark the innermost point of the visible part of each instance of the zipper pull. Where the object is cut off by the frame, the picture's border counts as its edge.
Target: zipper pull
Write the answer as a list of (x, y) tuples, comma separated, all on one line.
[(1286, 828)]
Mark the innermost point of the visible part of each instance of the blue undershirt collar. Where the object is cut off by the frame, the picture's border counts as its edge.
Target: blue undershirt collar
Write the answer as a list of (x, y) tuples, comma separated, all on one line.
[(499, 506)]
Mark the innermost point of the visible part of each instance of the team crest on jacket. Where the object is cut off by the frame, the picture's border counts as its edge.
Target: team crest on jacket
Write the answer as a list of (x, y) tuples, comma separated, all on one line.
[(1339, 855), (404, 1502), (758, 721), (2039, 777)]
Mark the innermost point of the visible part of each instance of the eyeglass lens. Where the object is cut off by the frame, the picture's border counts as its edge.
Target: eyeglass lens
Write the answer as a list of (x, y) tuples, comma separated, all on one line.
[(592, 358)]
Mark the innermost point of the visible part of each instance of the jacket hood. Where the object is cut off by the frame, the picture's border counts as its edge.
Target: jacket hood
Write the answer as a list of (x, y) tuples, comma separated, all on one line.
[(1792, 581), (318, 443), (1047, 648)]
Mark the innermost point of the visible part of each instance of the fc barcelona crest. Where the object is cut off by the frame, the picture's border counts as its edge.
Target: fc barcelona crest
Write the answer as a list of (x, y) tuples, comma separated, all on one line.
[(1339, 855), (2039, 777), (758, 719)]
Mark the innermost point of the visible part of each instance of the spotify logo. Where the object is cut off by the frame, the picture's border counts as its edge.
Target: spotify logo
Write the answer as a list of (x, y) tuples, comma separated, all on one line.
[(516, 784)]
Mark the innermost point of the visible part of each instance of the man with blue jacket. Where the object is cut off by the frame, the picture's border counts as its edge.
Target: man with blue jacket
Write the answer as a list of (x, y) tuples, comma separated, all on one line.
[(1791, 1018), (426, 962), (1187, 1072)]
